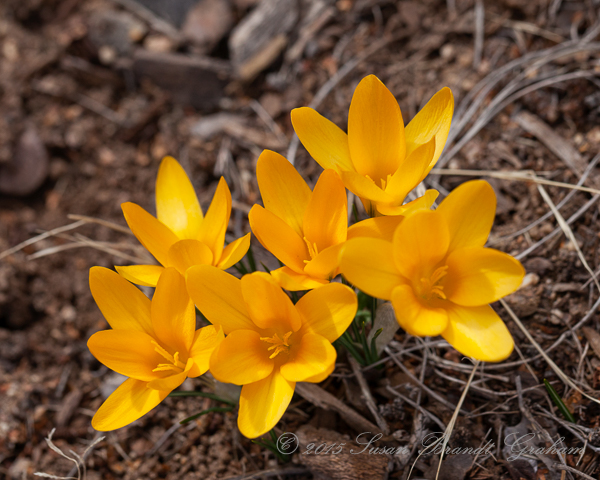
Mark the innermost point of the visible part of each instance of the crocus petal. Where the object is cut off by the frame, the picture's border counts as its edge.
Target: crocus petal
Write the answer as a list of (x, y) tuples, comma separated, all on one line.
[(123, 305), (364, 187), (278, 238), (323, 139), (313, 356), (375, 130), (154, 235), (414, 317), (478, 332), (145, 275), (187, 253), (130, 401), (433, 120), (469, 211), (422, 203), (283, 190), (326, 264), (326, 217), (241, 358), (176, 201), (420, 242), (170, 383), (173, 313), (218, 295), (128, 352), (263, 403), (318, 378), (206, 340), (327, 311), (268, 305), (411, 171), (478, 276), (293, 281), (366, 263), (377, 227), (216, 220), (234, 252)]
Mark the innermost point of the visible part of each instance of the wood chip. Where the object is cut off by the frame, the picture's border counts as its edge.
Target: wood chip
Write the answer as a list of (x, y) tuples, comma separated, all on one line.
[(325, 400), (593, 337)]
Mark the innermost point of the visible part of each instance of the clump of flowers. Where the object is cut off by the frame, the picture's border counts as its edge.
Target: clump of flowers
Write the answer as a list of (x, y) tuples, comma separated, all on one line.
[(432, 265)]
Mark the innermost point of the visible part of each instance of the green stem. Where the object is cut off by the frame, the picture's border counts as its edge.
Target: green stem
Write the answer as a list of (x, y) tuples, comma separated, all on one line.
[(251, 260)]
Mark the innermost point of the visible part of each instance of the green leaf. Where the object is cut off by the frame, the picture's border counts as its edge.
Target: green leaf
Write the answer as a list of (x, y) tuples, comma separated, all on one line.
[(558, 402)]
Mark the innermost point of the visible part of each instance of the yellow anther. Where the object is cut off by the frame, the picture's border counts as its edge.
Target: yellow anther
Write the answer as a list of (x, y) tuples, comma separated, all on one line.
[(174, 363), (279, 345), (385, 181), (430, 287), (313, 250)]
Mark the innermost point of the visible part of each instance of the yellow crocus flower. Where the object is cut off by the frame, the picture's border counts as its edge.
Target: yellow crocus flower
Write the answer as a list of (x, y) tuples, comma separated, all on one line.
[(306, 229), (181, 236), (271, 343), (154, 343), (438, 275), (379, 159)]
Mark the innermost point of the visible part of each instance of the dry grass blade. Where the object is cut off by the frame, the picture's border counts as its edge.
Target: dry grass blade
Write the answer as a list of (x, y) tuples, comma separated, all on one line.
[(99, 221), (572, 470), (524, 176), (568, 232), (452, 422), (50, 233), (544, 355), (79, 241), (421, 385), (561, 204), (557, 230), (369, 400)]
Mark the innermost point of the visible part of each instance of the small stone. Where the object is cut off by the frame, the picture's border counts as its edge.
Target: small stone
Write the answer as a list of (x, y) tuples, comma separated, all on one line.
[(208, 22), (593, 136), (529, 280), (447, 52), (107, 55), (118, 30), (159, 44)]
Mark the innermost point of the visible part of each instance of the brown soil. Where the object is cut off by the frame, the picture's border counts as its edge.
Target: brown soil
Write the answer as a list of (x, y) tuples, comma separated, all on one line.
[(89, 130)]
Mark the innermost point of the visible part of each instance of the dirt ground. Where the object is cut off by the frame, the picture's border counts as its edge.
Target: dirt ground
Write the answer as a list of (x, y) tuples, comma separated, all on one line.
[(93, 93)]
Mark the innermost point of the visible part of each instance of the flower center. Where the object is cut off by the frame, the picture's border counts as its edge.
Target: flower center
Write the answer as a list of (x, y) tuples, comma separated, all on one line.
[(174, 364), (313, 251), (278, 344), (430, 287)]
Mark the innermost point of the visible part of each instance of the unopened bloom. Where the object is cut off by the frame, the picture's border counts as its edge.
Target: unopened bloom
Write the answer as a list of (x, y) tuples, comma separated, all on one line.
[(379, 159), (181, 236), (438, 275), (154, 343), (271, 343)]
